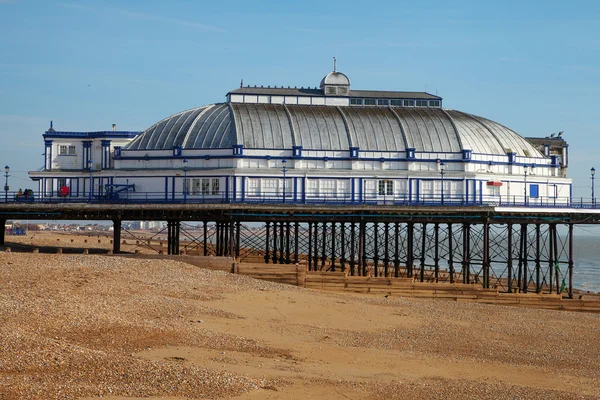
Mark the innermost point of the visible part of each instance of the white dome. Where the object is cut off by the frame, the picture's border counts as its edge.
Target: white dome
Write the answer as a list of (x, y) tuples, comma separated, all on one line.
[(335, 78)]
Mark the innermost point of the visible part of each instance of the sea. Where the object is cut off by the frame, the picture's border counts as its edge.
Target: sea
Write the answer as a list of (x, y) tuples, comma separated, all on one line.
[(586, 273)]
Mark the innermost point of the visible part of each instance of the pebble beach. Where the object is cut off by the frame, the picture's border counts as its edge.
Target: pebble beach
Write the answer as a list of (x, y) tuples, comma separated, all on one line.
[(94, 326)]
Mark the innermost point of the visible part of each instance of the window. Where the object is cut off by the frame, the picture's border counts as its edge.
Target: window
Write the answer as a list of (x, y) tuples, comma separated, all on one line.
[(342, 90), (434, 103), (356, 102), (330, 90), (64, 150), (409, 103), (215, 186), (386, 187), (383, 102), (195, 186), (422, 103), (397, 103), (269, 183), (205, 186), (370, 102)]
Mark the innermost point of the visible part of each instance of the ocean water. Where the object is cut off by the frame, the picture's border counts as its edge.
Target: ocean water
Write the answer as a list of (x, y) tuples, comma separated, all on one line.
[(586, 274)]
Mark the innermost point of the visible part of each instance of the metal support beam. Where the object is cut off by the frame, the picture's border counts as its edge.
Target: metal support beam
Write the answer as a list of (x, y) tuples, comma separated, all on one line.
[(396, 249), (323, 246), (205, 235), (275, 233), (281, 243), (450, 254), (386, 249), (316, 248), (466, 262), (310, 250), (237, 239), (509, 257), (2, 231), (267, 232), (376, 248), (485, 265), (343, 246), (409, 249), (116, 236), (333, 246), (538, 265), (571, 260), (362, 257), (352, 247), (296, 248), (436, 254), (423, 250)]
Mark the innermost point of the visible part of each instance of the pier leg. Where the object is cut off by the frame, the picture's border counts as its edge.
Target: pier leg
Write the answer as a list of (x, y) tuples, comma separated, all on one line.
[(316, 248), (310, 253), (396, 249), (509, 258), (116, 235), (538, 265), (275, 233), (267, 228), (524, 253), (550, 258), (296, 249), (173, 237), (555, 235), (436, 255), (362, 257), (281, 243), (343, 246), (386, 250), (3, 231), (466, 267), (323, 247), (232, 239), (409, 249), (205, 234), (376, 248), (288, 231), (333, 246), (571, 260), (450, 254), (486, 255), (352, 247), (237, 239), (423, 244)]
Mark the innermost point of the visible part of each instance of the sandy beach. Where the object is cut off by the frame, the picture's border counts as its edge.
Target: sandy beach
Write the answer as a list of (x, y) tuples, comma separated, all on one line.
[(89, 326)]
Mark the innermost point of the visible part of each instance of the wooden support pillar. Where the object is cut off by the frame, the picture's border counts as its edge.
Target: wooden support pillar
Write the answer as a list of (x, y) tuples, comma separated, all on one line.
[(267, 232), (324, 246), (352, 247), (436, 253), (509, 257), (571, 260), (538, 263), (396, 249), (343, 246), (423, 253), (333, 246), (376, 248), (466, 262), (410, 231), (386, 249), (116, 235), (205, 234), (485, 264), (296, 248), (450, 254)]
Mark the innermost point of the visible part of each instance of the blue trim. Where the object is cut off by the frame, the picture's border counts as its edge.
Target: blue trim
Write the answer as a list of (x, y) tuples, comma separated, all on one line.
[(173, 188), (226, 188), (467, 191), (243, 188), (295, 188), (361, 189), (92, 135), (304, 179), (166, 188), (234, 193), (481, 191), (352, 189)]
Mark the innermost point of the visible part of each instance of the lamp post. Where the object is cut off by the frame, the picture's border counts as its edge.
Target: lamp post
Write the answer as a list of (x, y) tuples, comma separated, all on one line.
[(6, 171), (90, 163), (525, 183), (284, 162), (442, 168), (185, 185), (593, 173)]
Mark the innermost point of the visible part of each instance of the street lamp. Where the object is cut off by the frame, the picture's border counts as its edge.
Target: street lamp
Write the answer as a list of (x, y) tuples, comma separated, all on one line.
[(185, 185), (284, 162), (6, 171), (442, 168), (90, 163), (593, 172)]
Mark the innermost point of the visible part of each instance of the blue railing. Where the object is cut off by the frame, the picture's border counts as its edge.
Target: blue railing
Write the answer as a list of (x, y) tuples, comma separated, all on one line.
[(330, 199)]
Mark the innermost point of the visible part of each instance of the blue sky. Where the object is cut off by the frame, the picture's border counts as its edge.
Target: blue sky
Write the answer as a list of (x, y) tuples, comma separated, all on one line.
[(532, 66)]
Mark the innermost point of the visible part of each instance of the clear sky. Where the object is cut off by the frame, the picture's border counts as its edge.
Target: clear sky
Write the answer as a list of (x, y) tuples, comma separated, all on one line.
[(533, 66)]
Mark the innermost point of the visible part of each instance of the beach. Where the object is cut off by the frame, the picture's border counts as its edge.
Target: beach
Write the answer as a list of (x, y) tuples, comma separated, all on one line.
[(90, 326)]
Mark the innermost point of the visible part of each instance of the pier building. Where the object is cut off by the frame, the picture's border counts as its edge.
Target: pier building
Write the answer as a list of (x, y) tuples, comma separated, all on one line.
[(324, 144)]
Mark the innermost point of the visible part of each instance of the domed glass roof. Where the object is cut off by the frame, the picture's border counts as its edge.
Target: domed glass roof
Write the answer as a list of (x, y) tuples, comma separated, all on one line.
[(277, 126)]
